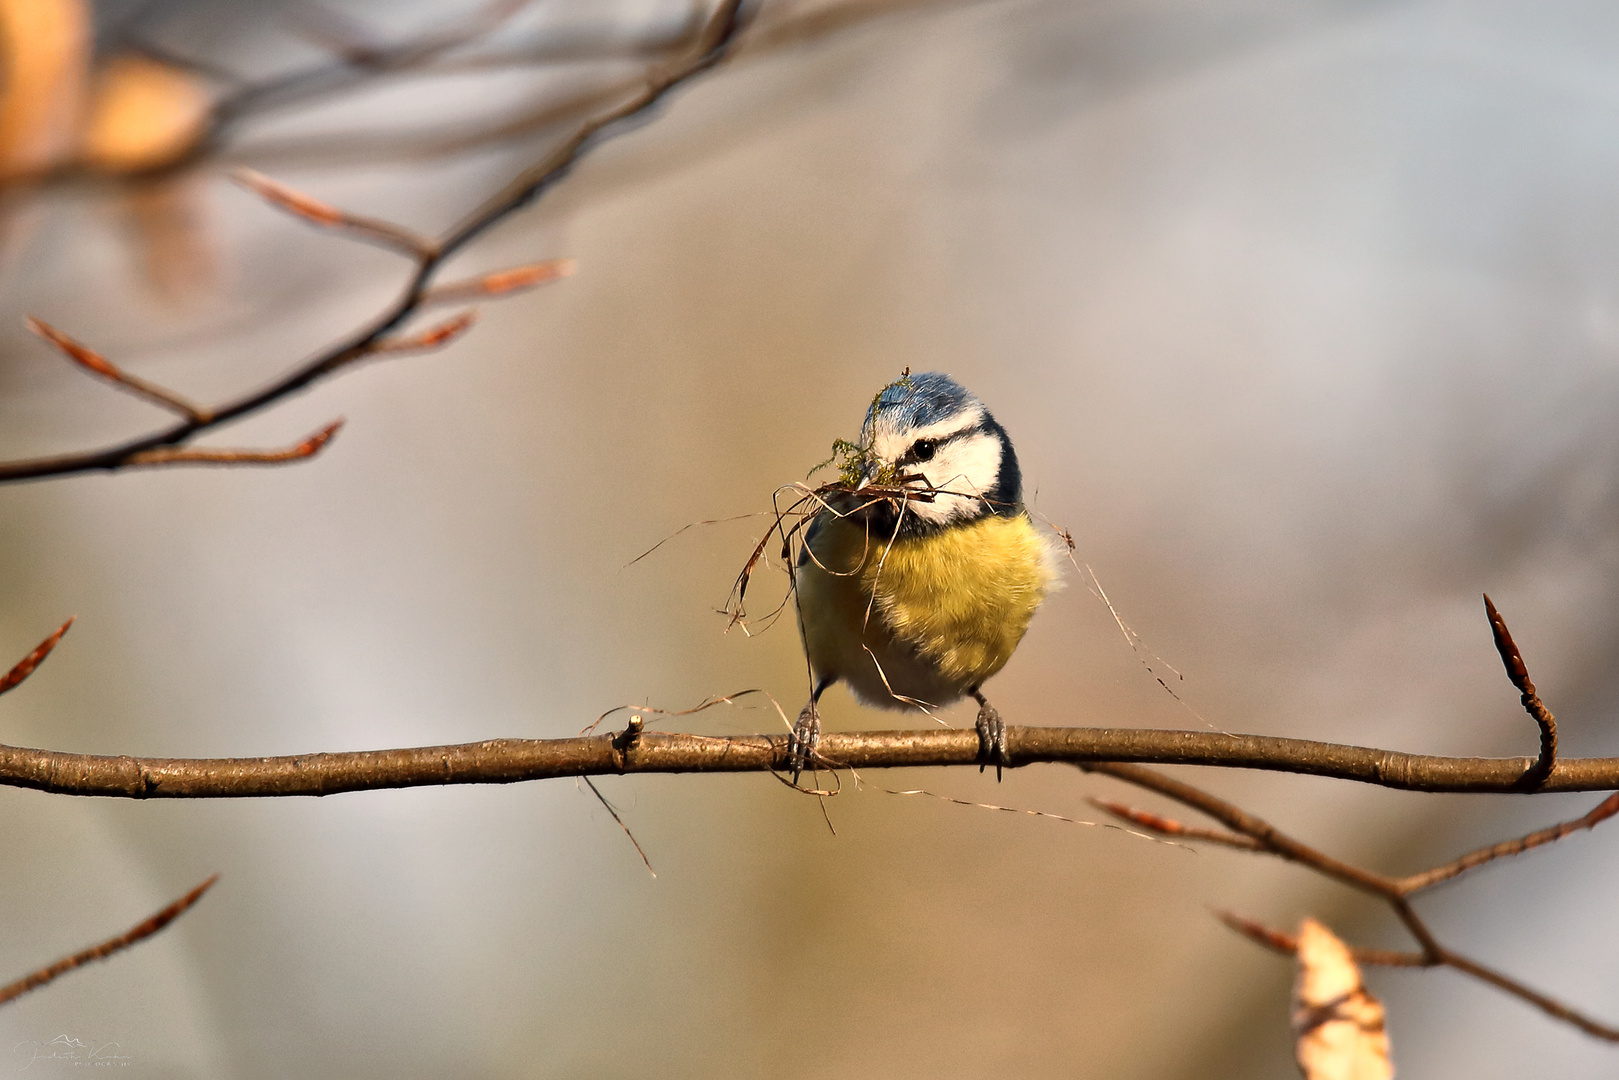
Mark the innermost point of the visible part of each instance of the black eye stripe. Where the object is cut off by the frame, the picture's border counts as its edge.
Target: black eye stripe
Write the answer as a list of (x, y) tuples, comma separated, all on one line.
[(913, 454)]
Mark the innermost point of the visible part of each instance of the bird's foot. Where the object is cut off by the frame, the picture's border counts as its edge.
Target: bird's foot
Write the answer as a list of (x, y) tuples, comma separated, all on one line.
[(801, 744), (992, 748)]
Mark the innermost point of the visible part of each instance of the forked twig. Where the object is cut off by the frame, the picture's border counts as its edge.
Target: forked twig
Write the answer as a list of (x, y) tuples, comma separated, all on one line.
[(703, 51), (1394, 891)]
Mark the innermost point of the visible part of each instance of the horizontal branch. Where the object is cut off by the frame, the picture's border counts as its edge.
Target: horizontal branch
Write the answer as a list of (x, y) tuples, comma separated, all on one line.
[(506, 761)]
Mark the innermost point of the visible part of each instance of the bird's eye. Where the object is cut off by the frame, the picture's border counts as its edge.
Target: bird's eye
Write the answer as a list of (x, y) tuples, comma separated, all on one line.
[(923, 449)]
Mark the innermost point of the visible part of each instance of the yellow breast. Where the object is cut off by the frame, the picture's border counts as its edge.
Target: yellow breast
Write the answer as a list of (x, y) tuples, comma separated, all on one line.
[(962, 596), (956, 602)]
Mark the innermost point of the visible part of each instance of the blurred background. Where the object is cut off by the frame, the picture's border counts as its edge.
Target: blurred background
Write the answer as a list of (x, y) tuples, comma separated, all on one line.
[(1304, 315)]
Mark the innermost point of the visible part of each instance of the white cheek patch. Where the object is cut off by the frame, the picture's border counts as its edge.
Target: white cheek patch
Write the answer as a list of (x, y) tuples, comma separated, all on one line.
[(963, 472)]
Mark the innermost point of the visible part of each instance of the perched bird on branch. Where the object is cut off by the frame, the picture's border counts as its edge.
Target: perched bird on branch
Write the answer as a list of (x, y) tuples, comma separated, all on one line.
[(918, 577)]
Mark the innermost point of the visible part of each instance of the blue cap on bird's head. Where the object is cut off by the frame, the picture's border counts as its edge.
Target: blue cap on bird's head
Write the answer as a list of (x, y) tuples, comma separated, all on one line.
[(917, 401), (927, 433)]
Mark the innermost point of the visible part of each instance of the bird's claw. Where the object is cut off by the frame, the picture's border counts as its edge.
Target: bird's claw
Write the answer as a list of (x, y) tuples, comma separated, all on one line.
[(801, 744), (992, 746)]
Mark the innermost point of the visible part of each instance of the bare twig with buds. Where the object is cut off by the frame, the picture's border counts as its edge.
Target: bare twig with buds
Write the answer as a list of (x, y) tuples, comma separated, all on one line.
[(25, 667), (702, 50), (1250, 833), (139, 932)]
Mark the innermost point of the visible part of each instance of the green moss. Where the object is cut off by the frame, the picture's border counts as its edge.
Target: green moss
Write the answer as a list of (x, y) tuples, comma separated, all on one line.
[(853, 461)]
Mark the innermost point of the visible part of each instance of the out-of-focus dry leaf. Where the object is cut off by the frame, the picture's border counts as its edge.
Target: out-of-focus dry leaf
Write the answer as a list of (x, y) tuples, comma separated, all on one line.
[(44, 59), (144, 114), (1339, 1026), (172, 232)]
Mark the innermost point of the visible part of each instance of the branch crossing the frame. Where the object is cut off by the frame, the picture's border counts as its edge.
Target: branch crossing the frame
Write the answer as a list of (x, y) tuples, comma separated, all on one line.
[(1121, 753)]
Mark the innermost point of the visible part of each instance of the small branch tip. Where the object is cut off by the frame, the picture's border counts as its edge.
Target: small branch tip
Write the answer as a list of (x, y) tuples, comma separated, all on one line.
[(139, 932), (99, 365), (432, 338), (186, 455), (25, 667), (287, 198), (1518, 672), (1511, 659)]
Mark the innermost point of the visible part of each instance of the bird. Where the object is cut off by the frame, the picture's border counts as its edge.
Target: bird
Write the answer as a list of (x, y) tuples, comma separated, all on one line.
[(917, 577)]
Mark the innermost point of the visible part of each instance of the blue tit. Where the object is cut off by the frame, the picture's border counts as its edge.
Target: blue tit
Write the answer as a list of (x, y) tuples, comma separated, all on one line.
[(916, 582)]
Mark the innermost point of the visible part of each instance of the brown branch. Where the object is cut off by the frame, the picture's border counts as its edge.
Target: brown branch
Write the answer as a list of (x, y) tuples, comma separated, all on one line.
[(766, 37), (144, 929), (97, 364), (204, 455), (357, 62), (1519, 674), (1394, 891), (1428, 878), (1112, 752), (506, 761), (1548, 1005), (312, 210), (431, 338), (500, 282), (1287, 945), (1240, 821), (25, 667), (440, 52), (1163, 826), (703, 51)]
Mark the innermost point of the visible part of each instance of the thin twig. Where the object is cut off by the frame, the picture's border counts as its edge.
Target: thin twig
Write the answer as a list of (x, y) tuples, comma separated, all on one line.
[(97, 364), (1236, 819), (1393, 891), (704, 51), (500, 282), (25, 667), (325, 215), (356, 64), (1288, 945), (432, 338), (1428, 878), (144, 929), (1519, 674), (203, 455), (1546, 1004), (1169, 827)]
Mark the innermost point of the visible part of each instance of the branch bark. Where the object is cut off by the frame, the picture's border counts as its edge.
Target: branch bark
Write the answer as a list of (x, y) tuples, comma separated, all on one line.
[(507, 761), (1397, 892)]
